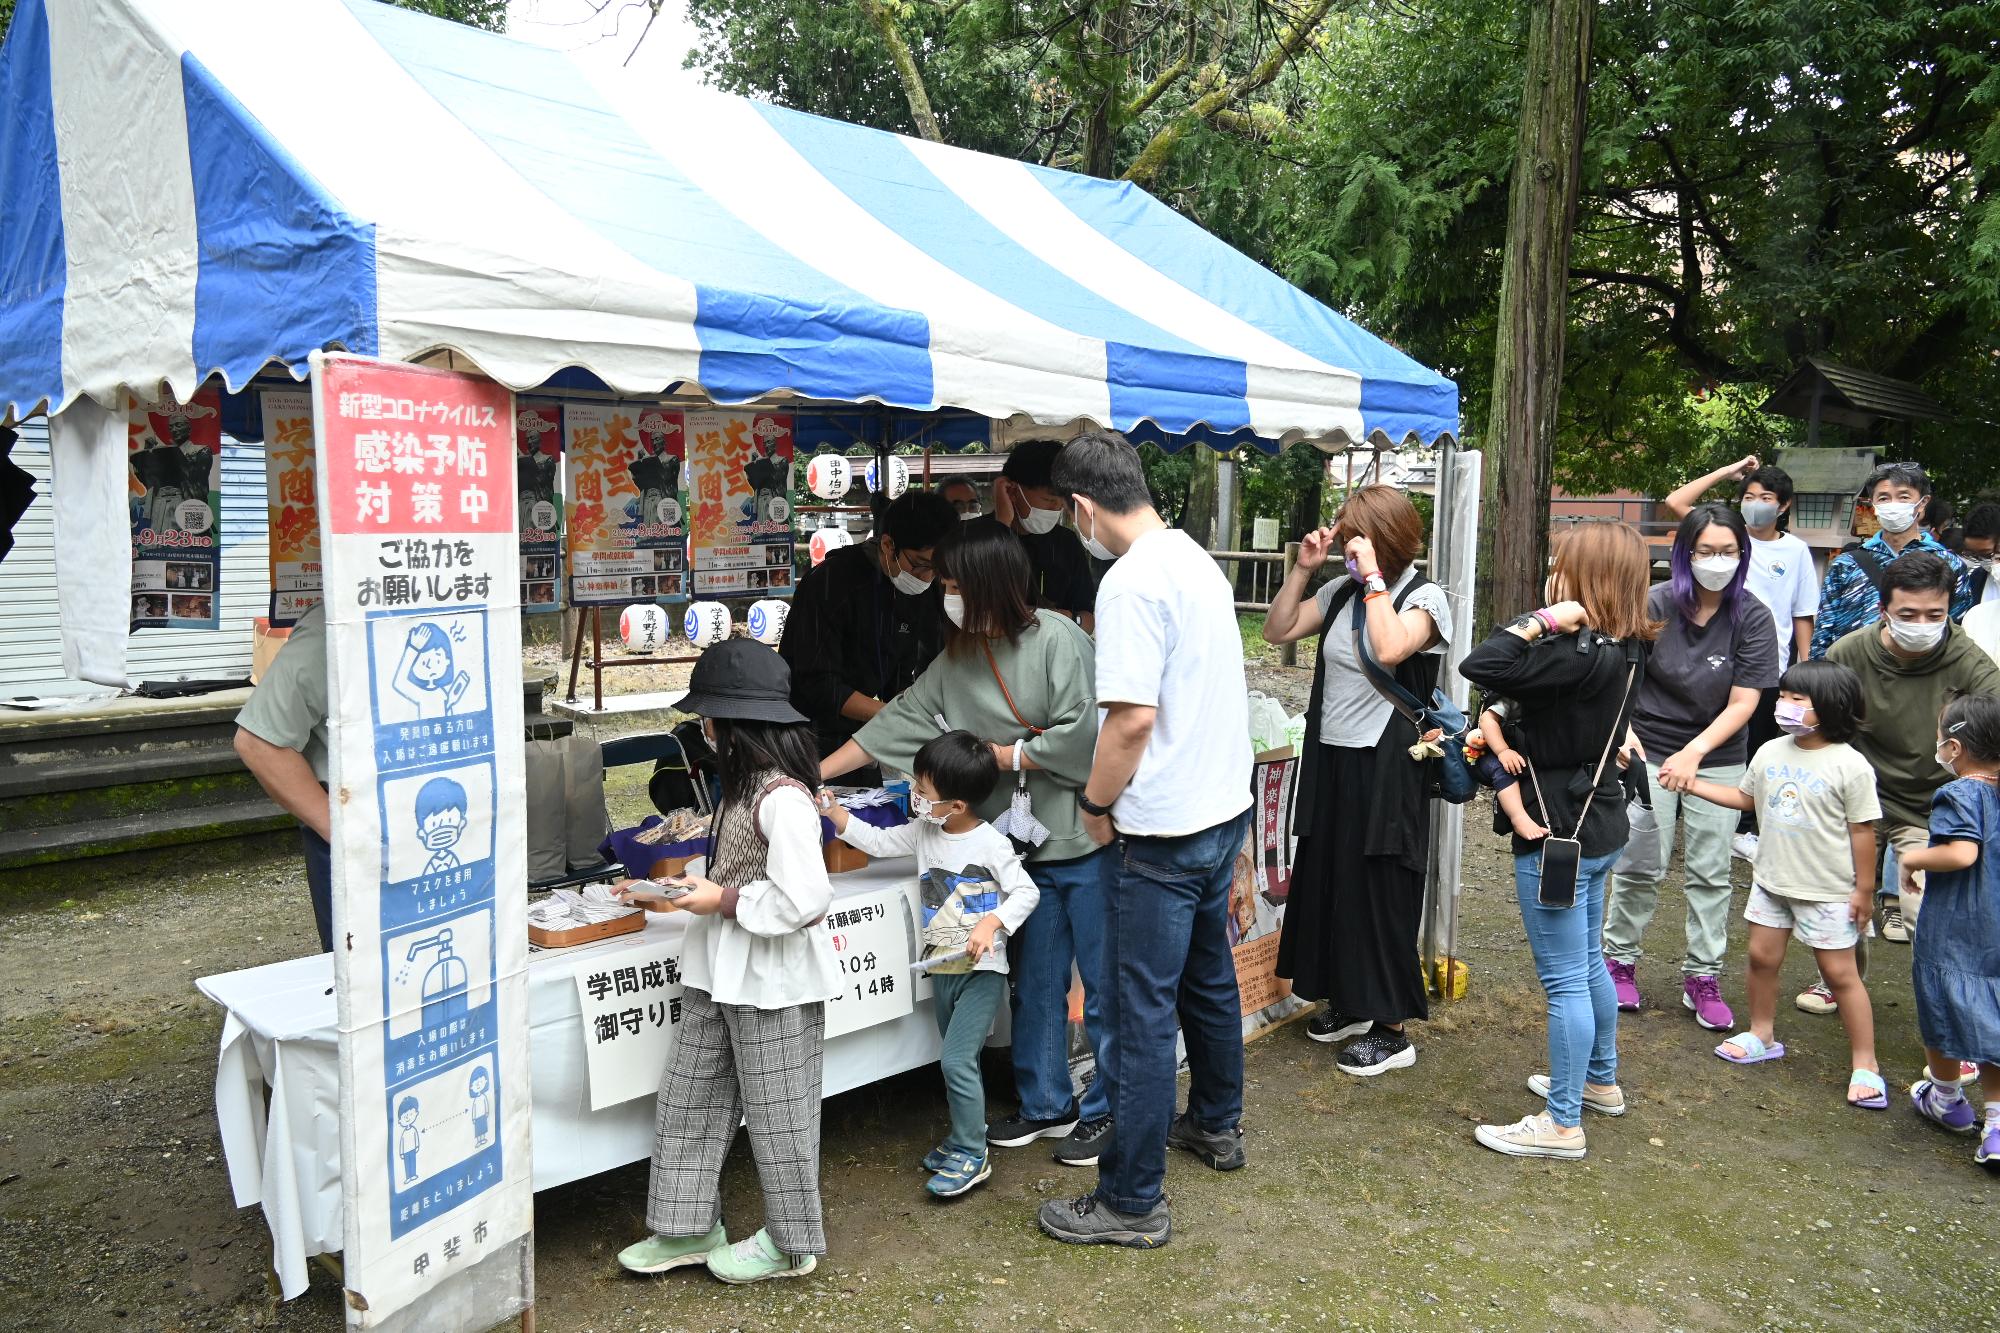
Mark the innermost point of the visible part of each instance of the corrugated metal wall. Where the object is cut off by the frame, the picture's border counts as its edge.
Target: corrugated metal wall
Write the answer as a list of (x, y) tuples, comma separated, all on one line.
[(30, 644)]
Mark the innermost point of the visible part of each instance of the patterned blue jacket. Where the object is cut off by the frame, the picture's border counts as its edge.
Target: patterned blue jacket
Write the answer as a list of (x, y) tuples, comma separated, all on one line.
[(1848, 600)]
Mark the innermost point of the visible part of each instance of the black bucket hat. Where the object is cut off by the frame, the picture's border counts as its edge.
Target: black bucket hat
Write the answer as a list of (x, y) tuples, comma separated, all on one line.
[(741, 680)]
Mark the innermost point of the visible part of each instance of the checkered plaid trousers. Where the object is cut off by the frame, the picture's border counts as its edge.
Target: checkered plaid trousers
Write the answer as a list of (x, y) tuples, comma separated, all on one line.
[(733, 1063)]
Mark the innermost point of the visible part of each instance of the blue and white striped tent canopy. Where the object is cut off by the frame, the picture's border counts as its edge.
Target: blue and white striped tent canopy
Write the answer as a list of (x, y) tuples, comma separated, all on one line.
[(207, 187)]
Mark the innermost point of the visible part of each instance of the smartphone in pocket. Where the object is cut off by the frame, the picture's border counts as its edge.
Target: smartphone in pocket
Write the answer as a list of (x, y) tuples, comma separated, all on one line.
[(1560, 859)]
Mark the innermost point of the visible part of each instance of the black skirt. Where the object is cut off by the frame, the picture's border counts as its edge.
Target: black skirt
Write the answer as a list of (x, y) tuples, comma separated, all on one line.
[(1351, 919)]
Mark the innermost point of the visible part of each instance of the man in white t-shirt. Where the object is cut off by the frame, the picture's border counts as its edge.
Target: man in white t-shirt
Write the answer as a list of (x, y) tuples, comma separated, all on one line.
[(1781, 576), (1170, 782), (1977, 548)]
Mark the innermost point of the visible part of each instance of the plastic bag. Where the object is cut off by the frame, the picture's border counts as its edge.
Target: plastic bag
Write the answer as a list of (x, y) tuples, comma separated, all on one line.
[(1267, 723)]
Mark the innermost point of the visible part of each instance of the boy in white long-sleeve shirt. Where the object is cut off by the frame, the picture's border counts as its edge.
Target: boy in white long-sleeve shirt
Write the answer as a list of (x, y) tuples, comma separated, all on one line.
[(975, 894)]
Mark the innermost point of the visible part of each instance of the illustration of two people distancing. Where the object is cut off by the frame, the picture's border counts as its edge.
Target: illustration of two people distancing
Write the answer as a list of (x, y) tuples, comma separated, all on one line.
[(410, 1134)]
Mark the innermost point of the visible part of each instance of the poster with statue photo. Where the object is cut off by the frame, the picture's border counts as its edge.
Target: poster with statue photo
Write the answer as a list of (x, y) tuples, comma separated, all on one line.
[(538, 461), (174, 452), (741, 488), (626, 473)]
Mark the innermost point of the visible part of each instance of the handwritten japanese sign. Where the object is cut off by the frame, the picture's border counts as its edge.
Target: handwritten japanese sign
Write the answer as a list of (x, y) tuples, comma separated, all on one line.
[(292, 504), (420, 559), (627, 506), (871, 947), (538, 459), (631, 1006), (175, 491), (741, 489)]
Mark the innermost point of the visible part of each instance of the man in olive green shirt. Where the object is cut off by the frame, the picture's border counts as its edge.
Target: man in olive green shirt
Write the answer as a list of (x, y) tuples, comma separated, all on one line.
[(281, 738)]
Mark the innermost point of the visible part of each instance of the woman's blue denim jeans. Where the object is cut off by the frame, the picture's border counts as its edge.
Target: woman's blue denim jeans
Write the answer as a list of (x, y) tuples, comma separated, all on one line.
[(1583, 1005), (1068, 923)]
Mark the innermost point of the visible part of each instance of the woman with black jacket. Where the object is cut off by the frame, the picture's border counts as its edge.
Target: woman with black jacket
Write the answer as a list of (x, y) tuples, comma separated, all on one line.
[(1572, 670)]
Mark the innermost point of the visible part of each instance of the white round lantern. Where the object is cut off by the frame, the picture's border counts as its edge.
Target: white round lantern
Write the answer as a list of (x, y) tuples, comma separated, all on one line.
[(767, 621), (825, 541), (706, 624), (892, 482), (643, 628), (828, 475)]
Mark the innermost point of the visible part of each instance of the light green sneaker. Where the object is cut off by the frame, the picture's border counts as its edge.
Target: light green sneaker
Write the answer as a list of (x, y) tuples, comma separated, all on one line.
[(657, 1254), (756, 1259)]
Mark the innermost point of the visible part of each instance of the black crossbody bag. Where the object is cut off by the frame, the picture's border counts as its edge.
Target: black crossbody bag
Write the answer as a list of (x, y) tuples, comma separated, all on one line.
[(1562, 857)]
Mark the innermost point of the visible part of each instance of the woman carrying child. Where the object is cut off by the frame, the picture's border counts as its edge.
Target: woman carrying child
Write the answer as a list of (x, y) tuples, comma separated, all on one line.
[(1814, 798), (757, 973), (975, 896), (1956, 962), (1574, 669), (1023, 680)]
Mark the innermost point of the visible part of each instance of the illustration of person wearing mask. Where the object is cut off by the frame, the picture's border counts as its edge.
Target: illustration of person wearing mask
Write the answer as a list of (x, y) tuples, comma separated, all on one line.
[(408, 1137), (440, 822), (480, 1102)]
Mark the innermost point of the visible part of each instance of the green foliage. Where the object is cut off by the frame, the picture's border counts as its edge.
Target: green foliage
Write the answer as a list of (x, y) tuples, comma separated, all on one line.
[(488, 14)]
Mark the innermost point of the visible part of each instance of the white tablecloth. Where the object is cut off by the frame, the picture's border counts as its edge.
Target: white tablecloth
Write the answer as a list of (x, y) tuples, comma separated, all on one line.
[(279, 1032)]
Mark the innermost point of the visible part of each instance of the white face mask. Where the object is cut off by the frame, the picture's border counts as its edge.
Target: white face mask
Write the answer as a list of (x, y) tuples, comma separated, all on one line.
[(1915, 637), (1716, 572), (1038, 521), (1896, 516), (1760, 513), (905, 581), (954, 609), (967, 515), (926, 809), (1946, 764), (1098, 550)]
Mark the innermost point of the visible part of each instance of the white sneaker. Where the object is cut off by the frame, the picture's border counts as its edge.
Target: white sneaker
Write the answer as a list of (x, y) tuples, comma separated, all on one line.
[(1745, 846), (1534, 1136)]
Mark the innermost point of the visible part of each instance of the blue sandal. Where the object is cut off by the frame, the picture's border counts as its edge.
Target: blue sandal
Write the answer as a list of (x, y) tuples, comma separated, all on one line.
[(1868, 1078)]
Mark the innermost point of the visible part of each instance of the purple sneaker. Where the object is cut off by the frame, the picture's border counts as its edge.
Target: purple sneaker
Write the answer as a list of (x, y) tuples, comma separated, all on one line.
[(1958, 1116), (1987, 1154), (1704, 996), (1625, 983)]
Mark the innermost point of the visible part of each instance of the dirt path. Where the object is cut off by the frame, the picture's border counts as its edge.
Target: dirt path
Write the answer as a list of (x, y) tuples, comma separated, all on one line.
[(1727, 1198)]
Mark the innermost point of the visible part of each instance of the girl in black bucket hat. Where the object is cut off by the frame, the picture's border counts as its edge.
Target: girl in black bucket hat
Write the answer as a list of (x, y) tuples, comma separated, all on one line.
[(757, 971)]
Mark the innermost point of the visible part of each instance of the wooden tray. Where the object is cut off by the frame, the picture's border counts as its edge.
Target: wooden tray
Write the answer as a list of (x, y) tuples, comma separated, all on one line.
[(602, 930), (841, 858)]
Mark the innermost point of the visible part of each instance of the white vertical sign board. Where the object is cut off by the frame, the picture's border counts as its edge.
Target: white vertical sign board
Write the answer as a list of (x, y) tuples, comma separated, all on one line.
[(422, 583)]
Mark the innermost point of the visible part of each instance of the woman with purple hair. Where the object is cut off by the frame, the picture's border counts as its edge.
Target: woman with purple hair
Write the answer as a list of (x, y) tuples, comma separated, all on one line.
[(1708, 668)]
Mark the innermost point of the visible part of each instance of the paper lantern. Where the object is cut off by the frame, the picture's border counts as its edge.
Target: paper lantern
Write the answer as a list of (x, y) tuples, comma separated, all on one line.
[(828, 475), (643, 628), (706, 624), (891, 483), (767, 621), (825, 541)]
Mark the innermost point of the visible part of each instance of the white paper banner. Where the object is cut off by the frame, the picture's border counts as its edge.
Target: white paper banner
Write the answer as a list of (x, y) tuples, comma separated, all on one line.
[(422, 575), (871, 946), (631, 1006)]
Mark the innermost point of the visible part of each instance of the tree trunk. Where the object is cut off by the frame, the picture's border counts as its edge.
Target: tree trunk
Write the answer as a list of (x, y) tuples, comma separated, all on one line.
[(912, 79), (1198, 519), (1534, 299)]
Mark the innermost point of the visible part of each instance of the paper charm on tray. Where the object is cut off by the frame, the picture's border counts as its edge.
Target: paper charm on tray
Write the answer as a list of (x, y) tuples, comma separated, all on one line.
[(1018, 822)]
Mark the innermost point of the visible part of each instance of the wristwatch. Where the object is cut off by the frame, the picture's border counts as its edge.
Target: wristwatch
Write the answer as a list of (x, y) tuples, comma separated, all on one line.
[(1375, 583), (1091, 807)]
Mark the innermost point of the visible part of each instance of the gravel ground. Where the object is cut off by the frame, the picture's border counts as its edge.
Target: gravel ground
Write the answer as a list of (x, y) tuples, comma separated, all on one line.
[(1727, 1198)]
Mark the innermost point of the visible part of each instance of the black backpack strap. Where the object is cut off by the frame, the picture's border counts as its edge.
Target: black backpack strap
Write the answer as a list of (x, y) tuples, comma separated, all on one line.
[(1871, 563)]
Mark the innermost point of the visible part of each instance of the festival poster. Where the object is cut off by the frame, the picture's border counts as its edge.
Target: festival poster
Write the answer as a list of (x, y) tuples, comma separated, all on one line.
[(627, 506), (742, 494), (292, 505), (1260, 884), (422, 563), (175, 488), (538, 457)]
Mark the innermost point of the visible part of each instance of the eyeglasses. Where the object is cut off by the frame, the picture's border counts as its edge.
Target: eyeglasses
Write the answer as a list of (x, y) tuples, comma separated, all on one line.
[(1716, 553)]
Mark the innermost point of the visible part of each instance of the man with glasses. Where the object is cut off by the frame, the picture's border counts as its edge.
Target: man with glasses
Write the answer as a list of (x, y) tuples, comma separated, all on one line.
[(1977, 548), (868, 620), (1850, 595)]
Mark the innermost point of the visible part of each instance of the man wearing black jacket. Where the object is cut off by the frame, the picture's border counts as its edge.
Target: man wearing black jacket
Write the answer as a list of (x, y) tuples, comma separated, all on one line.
[(868, 620)]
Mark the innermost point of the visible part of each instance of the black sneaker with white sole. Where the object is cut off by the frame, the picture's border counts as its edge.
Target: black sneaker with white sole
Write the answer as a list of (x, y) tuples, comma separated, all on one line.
[(1017, 1130), (1379, 1052), (1222, 1149), (1086, 1143), (1328, 1026), (1090, 1221)]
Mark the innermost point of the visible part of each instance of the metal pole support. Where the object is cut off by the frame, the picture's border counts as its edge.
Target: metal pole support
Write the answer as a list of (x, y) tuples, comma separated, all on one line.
[(1288, 655)]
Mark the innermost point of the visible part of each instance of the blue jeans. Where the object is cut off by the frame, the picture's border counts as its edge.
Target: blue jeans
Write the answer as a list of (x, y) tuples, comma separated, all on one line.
[(319, 883), (1067, 925), (1583, 1004), (1167, 957)]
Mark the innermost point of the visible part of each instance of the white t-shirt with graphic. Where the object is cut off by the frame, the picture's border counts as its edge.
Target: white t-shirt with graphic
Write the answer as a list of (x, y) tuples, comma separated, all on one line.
[(1783, 578), (1805, 801)]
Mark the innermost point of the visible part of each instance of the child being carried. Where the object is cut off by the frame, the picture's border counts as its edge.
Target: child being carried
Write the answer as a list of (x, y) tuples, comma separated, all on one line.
[(1497, 764)]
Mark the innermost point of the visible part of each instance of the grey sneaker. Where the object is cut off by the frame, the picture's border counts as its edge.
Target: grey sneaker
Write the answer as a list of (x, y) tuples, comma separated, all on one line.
[(1086, 1143), (1087, 1220), (1222, 1149)]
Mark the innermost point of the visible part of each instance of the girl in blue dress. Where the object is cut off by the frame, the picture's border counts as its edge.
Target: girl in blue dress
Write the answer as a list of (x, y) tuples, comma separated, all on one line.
[(1956, 964)]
